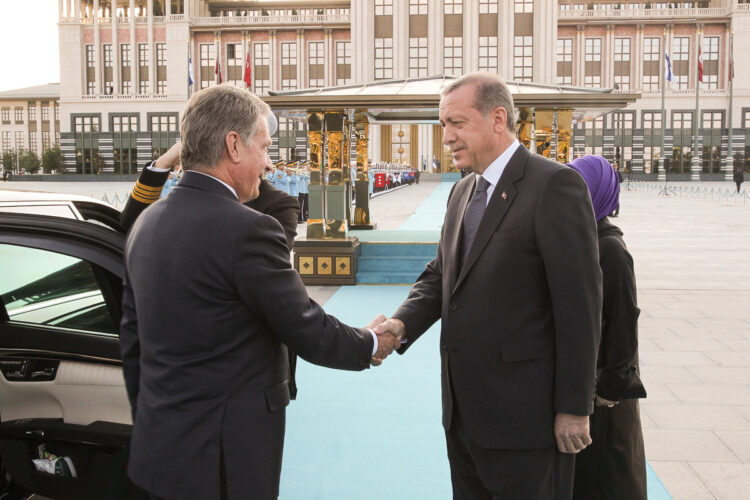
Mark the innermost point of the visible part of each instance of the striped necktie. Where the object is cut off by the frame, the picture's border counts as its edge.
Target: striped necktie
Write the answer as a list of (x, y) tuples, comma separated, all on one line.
[(473, 215)]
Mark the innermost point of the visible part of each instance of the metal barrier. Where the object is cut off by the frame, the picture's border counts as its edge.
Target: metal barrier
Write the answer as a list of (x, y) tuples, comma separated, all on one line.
[(114, 199), (727, 195)]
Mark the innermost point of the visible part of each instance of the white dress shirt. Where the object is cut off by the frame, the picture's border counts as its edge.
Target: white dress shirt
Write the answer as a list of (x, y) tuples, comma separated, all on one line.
[(493, 172)]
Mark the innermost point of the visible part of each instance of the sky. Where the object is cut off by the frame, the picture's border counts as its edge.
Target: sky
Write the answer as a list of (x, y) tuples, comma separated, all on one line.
[(29, 46)]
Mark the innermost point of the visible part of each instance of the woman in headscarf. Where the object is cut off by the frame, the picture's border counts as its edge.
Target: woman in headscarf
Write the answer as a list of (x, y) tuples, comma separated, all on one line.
[(614, 465)]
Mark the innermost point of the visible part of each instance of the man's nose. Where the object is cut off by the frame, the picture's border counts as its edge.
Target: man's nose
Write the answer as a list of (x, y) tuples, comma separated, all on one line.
[(448, 136)]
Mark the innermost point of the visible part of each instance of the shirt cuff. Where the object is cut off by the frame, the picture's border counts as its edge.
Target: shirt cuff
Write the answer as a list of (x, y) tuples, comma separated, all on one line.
[(374, 341), (151, 167)]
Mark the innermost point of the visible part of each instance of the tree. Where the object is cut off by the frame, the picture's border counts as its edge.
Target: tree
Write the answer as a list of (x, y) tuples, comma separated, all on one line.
[(52, 160), (29, 161), (9, 160)]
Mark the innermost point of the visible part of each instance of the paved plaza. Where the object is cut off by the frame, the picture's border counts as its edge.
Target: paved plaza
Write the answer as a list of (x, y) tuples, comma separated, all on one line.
[(692, 261)]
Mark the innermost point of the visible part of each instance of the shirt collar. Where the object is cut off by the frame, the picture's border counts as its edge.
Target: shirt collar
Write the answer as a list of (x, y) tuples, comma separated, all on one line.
[(219, 180), (493, 172)]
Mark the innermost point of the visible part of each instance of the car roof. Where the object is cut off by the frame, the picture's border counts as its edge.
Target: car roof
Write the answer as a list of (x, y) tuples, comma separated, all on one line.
[(19, 195)]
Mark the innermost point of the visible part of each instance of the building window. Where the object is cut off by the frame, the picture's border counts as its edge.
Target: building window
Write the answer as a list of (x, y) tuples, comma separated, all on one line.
[(45, 140), (712, 120), (711, 62), (453, 6), (6, 115), (6, 142), (524, 6), (316, 61), (288, 65), (343, 63), (124, 128), (523, 52), (488, 53), (261, 67), (417, 7), (90, 70), (453, 60), (652, 58), (32, 141), (124, 123), (143, 76), (235, 65), (488, 6), (383, 58), (622, 62), (417, 57), (125, 64), (163, 128), (680, 61), (682, 125), (32, 112), (18, 115), (383, 7), (20, 140), (593, 63), (108, 73), (682, 120), (565, 61), (207, 61), (161, 68)]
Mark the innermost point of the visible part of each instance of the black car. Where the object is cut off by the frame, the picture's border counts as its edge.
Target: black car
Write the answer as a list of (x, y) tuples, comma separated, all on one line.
[(62, 393)]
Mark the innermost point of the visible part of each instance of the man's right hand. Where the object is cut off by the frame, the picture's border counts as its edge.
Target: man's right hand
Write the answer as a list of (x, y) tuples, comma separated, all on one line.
[(170, 158), (393, 326)]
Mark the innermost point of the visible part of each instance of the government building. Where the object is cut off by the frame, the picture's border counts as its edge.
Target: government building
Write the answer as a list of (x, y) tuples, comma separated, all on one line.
[(129, 66)]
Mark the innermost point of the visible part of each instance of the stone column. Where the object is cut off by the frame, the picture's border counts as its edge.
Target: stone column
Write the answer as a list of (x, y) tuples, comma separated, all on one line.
[(579, 56), (471, 36), (151, 48), (545, 42), (329, 49), (505, 37), (133, 51), (400, 39), (77, 11), (435, 37), (608, 51), (115, 51), (636, 56), (167, 10), (274, 60), (99, 64), (301, 58)]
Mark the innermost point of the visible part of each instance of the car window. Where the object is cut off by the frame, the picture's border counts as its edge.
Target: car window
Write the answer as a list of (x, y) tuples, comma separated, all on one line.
[(50, 289)]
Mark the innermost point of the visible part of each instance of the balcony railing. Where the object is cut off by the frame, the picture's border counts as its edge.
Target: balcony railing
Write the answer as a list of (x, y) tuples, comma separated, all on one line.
[(224, 21), (272, 20), (644, 13), (681, 92), (123, 97)]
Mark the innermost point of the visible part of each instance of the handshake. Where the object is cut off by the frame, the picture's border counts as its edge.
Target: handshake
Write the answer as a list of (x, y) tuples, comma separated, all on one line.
[(390, 332)]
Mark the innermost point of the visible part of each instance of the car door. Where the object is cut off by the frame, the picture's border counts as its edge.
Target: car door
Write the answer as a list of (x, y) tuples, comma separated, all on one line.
[(61, 386)]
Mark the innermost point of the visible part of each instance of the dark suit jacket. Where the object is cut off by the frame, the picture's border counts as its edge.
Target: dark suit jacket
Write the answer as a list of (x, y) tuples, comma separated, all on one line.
[(208, 299), (521, 317)]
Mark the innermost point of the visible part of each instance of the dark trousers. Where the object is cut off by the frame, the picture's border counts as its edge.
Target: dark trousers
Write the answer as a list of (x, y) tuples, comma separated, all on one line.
[(479, 473), (302, 198)]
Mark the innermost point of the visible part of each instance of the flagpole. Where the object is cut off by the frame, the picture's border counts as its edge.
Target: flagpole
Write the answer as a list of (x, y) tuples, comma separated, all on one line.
[(662, 172), (695, 163), (729, 170)]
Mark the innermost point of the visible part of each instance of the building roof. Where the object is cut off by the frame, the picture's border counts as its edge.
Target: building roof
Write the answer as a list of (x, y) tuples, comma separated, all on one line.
[(50, 90), (416, 100)]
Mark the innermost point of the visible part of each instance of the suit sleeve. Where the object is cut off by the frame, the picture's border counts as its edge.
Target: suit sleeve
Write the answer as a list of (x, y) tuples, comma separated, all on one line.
[(619, 319), (422, 308), (567, 239), (286, 211), (130, 347), (146, 190), (270, 287)]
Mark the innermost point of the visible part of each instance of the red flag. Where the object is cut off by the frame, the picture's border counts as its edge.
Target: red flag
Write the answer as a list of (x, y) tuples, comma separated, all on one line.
[(217, 66), (247, 77), (700, 64)]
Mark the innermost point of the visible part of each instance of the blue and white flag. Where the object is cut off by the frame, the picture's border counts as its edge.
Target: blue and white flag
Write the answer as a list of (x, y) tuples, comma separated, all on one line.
[(191, 78), (667, 66)]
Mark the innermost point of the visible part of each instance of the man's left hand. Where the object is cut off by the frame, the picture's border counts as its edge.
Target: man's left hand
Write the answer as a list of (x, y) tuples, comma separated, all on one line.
[(572, 432)]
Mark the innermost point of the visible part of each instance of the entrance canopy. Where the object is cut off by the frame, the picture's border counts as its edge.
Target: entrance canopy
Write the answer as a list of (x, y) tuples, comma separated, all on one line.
[(417, 100)]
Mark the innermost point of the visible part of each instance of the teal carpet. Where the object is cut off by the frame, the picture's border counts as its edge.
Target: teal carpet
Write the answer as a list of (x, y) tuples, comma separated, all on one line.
[(375, 434)]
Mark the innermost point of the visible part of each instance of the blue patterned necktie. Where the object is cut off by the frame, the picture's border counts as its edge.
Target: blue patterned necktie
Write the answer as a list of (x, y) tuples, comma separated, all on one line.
[(473, 215)]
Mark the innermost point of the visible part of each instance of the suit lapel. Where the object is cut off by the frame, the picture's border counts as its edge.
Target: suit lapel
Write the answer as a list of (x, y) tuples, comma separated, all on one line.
[(453, 240), (501, 200)]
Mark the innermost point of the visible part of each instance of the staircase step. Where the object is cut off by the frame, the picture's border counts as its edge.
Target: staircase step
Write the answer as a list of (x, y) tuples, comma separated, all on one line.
[(393, 264), (398, 249), (386, 278)]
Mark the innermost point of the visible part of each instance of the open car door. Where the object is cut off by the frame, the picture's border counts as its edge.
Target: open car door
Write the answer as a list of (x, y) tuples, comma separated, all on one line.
[(65, 419)]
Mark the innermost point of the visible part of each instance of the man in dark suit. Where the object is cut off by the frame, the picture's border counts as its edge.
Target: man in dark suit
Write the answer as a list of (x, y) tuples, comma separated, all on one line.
[(517, 284), (208, 299)]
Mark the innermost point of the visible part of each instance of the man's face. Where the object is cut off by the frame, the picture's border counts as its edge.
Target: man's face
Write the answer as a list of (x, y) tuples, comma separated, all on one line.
[(471, 137), (253, 164)]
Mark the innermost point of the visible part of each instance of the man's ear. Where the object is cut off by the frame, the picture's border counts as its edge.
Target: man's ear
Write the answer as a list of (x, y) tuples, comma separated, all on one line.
[(499, 119), (232, 142)]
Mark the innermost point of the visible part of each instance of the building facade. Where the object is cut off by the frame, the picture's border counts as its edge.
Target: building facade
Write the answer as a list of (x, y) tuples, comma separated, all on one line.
[(127, 68), (29, 119)]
